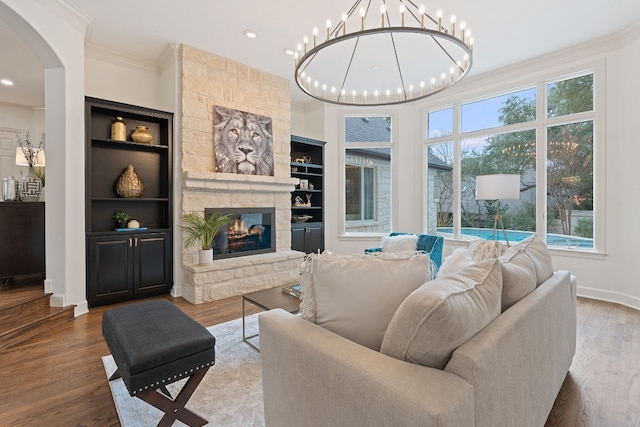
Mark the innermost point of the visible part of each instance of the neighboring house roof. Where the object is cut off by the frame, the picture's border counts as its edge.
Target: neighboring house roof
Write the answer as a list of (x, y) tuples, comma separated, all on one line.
[(378, 129)]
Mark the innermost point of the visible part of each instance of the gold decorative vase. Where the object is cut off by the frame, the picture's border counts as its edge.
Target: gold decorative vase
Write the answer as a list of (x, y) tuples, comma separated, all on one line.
[(129, 185), (142, 135), (118, 130)]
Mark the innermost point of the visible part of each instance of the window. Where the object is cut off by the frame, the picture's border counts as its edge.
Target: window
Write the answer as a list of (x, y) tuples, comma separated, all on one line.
[(367, 183), (513, 147)]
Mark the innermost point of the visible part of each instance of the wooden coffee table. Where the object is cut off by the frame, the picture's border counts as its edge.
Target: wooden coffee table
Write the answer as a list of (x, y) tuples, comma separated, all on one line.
[(268, 299)]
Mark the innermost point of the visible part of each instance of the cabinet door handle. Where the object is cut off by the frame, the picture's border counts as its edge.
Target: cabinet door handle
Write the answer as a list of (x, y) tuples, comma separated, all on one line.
[(130, 242), (136, 241)]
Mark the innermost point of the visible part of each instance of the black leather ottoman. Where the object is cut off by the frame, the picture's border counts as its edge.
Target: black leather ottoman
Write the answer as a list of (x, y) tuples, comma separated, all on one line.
[(154, 343)]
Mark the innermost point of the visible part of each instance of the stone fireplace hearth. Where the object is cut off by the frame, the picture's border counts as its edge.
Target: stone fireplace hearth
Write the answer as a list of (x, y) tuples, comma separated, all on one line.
[(236, 276)]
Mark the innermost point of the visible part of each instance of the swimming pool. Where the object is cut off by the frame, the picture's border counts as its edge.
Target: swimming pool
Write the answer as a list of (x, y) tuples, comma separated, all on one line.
[(560, 240)]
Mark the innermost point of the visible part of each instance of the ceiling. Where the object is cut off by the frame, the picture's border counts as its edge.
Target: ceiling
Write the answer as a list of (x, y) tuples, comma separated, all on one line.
[(505, 32)]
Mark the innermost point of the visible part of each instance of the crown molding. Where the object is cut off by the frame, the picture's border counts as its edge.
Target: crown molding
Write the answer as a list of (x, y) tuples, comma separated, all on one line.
[(113, 56), (68, 12), (169, 56), (631, 33)]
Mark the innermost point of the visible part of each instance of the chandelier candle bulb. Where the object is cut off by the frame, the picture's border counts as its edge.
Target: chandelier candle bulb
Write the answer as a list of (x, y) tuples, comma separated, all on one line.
[(442, 76), (315, 37), (328, 30), (433, 85), (421, 11), (344, 24), (402, 9), (383, 10), (410, 91), (463, 26), (453, 25), (451, 75), (439, 15), (305, 40), (362, 14), (421, 88), (388, 94)]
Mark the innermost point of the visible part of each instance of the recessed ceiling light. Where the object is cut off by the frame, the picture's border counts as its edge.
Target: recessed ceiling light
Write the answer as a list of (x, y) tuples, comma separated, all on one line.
[(376, 68), (288, 51), (6, 82), (250, 33)]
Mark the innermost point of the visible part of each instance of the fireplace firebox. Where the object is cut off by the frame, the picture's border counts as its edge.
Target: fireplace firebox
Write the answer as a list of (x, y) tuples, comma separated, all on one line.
[(251, 232)]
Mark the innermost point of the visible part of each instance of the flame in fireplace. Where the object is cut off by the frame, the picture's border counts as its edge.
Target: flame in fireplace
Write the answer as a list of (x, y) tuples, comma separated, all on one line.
[(237, 228)]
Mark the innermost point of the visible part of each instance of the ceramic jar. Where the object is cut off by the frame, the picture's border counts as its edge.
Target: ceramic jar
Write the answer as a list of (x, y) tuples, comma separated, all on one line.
[(142, 135), (118, 130)]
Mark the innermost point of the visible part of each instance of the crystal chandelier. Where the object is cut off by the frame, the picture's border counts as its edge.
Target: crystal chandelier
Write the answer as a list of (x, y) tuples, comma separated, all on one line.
[(382, 55)]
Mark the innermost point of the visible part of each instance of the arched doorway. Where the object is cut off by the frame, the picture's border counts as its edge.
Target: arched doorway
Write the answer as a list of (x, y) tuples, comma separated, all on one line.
[(55, 34)]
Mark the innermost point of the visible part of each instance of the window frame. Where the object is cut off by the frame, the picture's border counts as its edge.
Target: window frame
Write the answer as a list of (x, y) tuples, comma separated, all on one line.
[(540, 124), (343, 146)]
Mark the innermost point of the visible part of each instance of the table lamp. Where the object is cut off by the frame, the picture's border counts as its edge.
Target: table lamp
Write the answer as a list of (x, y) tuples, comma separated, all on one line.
[(498, 187)]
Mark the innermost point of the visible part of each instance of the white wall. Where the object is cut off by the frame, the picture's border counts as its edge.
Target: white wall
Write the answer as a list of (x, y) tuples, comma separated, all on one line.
[(55, 34), (123, 80), (611, 274)]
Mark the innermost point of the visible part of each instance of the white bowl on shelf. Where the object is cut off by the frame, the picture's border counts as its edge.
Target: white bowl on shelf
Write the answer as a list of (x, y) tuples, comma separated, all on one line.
[(301, 218)]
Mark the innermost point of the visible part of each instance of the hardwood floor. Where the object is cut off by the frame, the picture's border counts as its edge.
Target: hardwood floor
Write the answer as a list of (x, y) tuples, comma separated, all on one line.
[(58, 379)]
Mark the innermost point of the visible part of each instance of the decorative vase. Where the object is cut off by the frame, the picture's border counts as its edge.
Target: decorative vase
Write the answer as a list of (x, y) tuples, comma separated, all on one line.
[(9, 187), (30, 187), (118, 130), (205, 256), (142, 135), (133, 223), (129, 185)]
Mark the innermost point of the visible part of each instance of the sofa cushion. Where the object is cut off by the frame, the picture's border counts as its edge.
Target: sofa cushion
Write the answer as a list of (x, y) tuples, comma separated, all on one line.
[(355, 296), (537, 250), (442, 314), (518, 276), (400, 243)]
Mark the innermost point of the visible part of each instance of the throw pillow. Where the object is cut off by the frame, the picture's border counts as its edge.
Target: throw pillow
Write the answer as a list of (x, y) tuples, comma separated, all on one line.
[(518, 277), (455, 262), (443, 314), (537, 250), (400, 243), (355, 296), (485, 249)]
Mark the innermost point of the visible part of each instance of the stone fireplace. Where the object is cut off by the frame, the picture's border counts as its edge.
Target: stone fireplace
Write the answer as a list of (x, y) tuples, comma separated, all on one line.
[(207, 81)]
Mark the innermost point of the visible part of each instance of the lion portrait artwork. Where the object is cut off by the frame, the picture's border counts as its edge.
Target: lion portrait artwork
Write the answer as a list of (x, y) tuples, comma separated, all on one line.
[(243, 142)]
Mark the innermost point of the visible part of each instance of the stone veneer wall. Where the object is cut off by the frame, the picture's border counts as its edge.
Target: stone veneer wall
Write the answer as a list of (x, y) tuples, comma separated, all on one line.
[(209, 80)]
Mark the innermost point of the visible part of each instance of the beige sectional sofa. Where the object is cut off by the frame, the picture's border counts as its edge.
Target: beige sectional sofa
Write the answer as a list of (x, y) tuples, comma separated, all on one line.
[(508, 374)]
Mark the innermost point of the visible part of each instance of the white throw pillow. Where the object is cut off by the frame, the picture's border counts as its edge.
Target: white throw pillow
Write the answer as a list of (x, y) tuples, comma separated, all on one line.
[(443, 314), (537, 250), (355, 296), (455, 262), (518, 276), (400, 243), (486, 249)]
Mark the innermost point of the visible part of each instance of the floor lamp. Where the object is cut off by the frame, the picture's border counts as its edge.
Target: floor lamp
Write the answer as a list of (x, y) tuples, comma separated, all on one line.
[(498, 187)]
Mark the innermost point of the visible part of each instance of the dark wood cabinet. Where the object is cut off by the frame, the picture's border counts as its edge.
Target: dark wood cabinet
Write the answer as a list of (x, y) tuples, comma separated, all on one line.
[(124, 265), (307, 238), (22, 250), (307, 200)]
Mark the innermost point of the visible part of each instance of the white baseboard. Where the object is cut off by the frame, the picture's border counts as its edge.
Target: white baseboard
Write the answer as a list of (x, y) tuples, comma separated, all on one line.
[(609, 296)]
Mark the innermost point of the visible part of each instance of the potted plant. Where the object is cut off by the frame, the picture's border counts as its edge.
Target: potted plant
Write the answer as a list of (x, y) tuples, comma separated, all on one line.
[(201, 231), (121, 218)]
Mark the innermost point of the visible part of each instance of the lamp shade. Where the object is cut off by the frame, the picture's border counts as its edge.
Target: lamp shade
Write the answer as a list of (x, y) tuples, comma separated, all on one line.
[(38, 157), (498, 187)]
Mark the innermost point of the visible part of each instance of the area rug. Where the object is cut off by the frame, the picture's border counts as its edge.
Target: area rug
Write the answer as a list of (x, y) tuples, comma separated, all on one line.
[(229, 395)]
